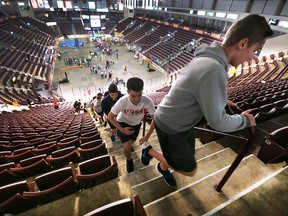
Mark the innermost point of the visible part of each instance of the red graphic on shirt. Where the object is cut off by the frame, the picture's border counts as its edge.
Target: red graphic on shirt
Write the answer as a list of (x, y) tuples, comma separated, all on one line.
[(134, 111)]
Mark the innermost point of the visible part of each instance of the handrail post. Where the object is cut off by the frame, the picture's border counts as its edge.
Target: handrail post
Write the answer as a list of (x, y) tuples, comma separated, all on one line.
[(144, 123), (237, 160)]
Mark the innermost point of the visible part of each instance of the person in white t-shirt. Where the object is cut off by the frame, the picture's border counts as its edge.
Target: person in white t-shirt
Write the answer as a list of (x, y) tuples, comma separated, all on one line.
[(126, 115)]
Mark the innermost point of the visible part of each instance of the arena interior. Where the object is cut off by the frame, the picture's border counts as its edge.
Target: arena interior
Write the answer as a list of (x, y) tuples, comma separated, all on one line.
[(56, 161)]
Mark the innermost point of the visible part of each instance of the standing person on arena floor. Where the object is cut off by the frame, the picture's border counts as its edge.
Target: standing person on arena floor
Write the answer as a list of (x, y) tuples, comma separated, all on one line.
[(108, 102), (55, 103), (201, 91), (126, 115)]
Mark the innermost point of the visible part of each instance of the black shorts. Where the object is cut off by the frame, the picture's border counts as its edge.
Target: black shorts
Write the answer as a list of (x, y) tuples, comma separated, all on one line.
[(178, 149), (111, 125), (100, 113), (125, 138)]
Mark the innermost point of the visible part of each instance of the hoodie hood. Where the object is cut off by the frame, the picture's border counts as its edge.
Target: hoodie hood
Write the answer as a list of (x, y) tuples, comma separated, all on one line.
[(214, 51)]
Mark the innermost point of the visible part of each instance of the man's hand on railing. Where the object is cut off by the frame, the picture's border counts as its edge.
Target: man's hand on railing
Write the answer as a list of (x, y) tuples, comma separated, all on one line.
[(250, 117), (232, 104), (233, 108)]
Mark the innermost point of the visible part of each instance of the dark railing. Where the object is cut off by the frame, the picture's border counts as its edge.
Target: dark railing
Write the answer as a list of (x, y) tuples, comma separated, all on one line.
[(240, 155), (237, 160)]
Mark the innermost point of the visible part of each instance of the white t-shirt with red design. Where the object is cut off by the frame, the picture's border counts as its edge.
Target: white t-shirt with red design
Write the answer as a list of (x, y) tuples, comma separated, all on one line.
[(132, 114)]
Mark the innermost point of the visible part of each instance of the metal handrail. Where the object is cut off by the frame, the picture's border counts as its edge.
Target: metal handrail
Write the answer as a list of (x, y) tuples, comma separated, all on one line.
[(240, 155), (144, 123), (222, 133)]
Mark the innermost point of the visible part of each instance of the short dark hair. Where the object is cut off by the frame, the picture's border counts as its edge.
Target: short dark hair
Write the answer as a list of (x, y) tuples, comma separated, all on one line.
[(135, 84), (254, 27), (113, 88)]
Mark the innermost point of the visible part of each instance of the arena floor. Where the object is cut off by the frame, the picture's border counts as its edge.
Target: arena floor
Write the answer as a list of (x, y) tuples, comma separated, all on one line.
[(83, 85)]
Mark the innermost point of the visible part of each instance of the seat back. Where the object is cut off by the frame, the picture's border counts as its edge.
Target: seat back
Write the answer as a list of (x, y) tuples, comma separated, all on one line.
[(91, 144), (46, 148), (266, 108), (89, 129), (85, 139), (17, 157), (35, 142), (87, 153), (95, 165), (55, 137), (10, 190), (32, 160), (87, 175), (46, 144), (71, 133), (6, 165), (280, 136), (62, 152), (51, 179), (90, 133), (70, 141), (275, 147), (280, 103), (7, 177)]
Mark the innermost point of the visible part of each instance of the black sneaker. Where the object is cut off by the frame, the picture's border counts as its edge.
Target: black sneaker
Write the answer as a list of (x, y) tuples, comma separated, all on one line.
[(132, 149), (129, 165), (113, 138), (117, 133), (145, 157), (168, 177)]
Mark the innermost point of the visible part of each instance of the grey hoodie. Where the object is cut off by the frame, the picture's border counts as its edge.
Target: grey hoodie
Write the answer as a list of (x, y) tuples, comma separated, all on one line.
[(200, 90)]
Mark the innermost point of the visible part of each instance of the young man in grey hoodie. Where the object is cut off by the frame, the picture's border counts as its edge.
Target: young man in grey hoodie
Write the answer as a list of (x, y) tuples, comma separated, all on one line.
[(201, 91)]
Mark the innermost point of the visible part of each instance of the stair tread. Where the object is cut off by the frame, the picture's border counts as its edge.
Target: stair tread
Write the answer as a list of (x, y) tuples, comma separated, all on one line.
[(203, 197), (201, 152), (156, 188), (272, 195)]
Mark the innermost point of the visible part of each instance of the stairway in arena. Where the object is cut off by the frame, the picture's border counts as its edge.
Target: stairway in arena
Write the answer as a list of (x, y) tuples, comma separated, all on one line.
[(255, 188)]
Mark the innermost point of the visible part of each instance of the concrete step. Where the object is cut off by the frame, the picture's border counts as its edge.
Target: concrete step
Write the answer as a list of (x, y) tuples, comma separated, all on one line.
[(266, 197), (156, 187), (200, 197), (201, 151), (117, 148), (147, 173)]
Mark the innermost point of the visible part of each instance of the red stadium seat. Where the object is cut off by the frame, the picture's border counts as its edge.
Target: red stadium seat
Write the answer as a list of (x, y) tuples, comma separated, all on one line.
[(96, 171), (52, 186)]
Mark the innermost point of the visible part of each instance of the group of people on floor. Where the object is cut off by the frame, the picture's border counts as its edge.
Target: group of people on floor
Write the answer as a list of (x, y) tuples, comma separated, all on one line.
[(81, 61)]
